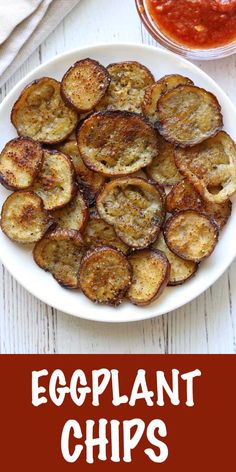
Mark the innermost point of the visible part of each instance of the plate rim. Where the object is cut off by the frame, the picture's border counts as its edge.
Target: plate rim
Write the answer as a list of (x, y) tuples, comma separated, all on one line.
[(136, 314)]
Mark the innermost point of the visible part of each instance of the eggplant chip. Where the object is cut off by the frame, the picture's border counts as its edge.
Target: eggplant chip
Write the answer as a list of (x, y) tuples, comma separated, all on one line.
[(41, 114), (55, 183), (210, 167), (20, 161), (183, 196), (172, 81), (74, 215), (117, 143), (84, 85), (89, 182), (136, 209), (151, 97), (163, 169), (151, 271), (191, 235), (155, 91), (105, 275), (60, 252), (181, 270), (126, 90), (100, 233), (23, 218), (188, 115)]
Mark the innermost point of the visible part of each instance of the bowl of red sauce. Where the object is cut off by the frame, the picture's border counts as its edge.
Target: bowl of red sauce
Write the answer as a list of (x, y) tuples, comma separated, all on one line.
[(196, 29)]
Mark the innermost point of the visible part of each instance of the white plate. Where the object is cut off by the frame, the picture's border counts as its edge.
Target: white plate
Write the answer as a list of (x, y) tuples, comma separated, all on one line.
[(18, 260)]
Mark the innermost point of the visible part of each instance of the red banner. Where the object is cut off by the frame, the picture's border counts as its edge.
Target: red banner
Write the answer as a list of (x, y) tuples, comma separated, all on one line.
[(94, 412)]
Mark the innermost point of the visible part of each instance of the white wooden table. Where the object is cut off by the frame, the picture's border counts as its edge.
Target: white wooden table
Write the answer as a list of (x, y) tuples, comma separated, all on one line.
[(207, 325)]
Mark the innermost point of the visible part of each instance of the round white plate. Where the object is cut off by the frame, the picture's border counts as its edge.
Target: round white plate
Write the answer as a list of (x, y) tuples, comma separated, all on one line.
[(18, 260)]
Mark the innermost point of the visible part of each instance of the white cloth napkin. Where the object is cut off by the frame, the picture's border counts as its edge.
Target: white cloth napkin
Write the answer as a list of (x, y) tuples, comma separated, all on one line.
[(24, 24)]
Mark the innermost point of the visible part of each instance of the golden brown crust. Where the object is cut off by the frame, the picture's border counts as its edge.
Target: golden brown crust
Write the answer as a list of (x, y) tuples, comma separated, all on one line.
[(23, 218), (136, 209), (172, 81), (163, 169), (89, 182), (100, 233), (188, 115), (208, 165), (41, 114), (60, 252), (128, 83), (105, 275), (84, 85), (183, 196), (151, 271), (117, 143), (55, 183), (191, 235), (74, 215), (20, 161), (181, 270), (151, 97)]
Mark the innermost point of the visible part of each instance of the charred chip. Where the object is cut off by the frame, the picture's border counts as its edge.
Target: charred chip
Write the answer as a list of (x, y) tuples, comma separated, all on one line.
[(117, 143), (20, 162), (183, 196), (84, 85), (126, 90), (163, 169), (191, 235), (136, 209), (55, 183), (74, 215), (89, 182), (181, 270), (188, 115), (100, 233), (151, 271), (41, 114), (105, 275), (23, 217), (60, 252), (210, 167)]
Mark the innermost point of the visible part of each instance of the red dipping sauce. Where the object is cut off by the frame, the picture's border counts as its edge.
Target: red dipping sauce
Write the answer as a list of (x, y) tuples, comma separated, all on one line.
[(196, 24)]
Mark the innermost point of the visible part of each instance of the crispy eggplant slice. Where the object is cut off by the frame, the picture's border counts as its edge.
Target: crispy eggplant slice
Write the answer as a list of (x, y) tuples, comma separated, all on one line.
[(84, 85), (20, 161), (55, 183), (126, 90), (105, 275), (172, 81), (89, 182), (60, 252), (100, 233), (41, 114), (210, 165), (163, 169), (183, 196), (151, 272), (117, 143), (188, 115), (23, 217), (155, 91), (191, 235), (151, 97), (74, 215), (136, 209), (181, 270)]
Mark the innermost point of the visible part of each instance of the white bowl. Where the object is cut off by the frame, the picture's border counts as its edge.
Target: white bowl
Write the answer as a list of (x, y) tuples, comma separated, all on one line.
[(18, 260)]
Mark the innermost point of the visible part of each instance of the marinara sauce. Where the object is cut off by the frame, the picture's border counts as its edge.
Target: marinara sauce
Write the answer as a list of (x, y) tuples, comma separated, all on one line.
[(196, 23)]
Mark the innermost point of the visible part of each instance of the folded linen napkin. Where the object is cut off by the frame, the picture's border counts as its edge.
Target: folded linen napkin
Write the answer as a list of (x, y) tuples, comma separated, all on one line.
[(27, 24)]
